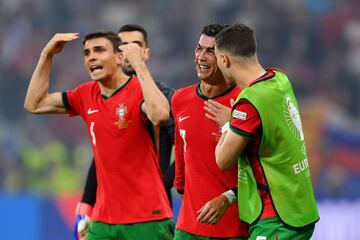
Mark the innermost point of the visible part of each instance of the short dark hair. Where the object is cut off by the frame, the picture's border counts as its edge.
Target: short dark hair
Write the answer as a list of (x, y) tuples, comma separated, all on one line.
[(213, 29), (237, 39), (109, 35), (133, 28)]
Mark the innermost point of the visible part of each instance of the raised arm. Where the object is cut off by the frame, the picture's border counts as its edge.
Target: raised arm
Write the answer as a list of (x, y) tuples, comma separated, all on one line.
[(38, 100), (155, 104)]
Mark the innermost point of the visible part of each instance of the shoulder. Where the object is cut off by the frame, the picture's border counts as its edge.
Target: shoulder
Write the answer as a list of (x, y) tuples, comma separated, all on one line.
[(88, 85), (182, 97), (183, 92), (84, 88)]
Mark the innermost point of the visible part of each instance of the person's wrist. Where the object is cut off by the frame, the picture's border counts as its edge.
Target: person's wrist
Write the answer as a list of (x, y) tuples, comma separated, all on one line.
[(230, 196), (225, 127)]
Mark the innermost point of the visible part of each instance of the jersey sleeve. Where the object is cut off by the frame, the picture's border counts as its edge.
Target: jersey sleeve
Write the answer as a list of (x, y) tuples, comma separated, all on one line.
[(245, 119), (89, 194), (72, 102), (179, 181)]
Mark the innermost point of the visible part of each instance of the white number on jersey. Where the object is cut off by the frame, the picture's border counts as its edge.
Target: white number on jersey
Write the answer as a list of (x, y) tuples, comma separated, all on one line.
[(93, 138), (183, 135)]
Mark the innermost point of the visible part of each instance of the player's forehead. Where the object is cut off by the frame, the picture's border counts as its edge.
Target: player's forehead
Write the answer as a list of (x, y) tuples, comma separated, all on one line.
[(132, 37), (206, 41), (97, 42)]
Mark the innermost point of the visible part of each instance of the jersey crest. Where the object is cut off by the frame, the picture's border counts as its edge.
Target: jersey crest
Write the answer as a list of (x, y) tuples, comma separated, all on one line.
[(121, 112)]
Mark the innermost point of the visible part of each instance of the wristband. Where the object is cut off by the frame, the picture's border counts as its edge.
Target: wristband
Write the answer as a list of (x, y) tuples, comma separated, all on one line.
[(230, 195), (225, 127)]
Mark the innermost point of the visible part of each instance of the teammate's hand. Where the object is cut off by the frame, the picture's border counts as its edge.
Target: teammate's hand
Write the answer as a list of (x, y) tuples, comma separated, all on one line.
[(133, 53), (57, 43), (82, 221), (217, 112), (213, 210)]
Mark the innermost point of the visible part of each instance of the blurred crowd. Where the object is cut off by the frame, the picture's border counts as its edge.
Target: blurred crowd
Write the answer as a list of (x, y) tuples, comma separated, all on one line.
[(316, 42)]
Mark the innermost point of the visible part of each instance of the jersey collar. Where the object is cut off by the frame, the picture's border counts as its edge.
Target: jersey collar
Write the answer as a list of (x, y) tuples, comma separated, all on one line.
[(201, 95), (269, 74), (119, 89)]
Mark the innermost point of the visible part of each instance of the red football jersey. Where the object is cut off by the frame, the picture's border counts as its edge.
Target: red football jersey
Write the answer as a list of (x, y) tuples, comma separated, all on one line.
[(130, 188), (196, 171)]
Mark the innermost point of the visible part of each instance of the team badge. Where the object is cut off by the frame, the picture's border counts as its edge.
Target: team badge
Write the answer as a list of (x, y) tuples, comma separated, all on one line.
[(121, 112)]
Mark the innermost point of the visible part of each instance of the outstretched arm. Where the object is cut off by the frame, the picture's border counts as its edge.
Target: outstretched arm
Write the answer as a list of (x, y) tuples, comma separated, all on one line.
[(155, 104), (38, 99)]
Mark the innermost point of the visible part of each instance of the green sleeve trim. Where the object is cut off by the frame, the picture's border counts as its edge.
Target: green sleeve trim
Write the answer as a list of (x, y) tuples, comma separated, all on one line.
[(241, 132), (65, 101)]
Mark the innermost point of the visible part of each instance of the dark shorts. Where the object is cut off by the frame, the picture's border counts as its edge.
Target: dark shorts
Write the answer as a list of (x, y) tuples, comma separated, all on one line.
[(155, 230)]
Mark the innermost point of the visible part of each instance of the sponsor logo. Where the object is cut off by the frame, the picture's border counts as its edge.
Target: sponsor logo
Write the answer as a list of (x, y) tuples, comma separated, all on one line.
[(242, 175), (91, 111), (181, 118), (301, 166), (292, 117), (239, 115), (121, 112)]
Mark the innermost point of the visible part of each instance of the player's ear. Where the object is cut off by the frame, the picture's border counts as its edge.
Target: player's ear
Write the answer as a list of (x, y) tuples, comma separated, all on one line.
[(147, 54), (119, 57), (226, 61)]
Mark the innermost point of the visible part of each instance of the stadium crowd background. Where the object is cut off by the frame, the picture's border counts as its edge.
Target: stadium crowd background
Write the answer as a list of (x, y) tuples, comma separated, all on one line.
[(316, 42)]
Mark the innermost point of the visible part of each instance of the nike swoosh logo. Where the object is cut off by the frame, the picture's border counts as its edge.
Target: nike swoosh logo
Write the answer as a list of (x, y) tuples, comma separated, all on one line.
[(91, 111), (183, 118)]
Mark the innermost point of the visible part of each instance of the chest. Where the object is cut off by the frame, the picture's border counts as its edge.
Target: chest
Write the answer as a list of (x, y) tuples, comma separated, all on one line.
[(118, 112)]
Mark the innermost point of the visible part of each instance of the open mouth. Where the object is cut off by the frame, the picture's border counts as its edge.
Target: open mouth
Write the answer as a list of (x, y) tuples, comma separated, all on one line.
[(95, 68), (203, 67)]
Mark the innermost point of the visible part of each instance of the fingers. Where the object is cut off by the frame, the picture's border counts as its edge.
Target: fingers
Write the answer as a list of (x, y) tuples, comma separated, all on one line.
[(211, 117), (213, 219), (215, 104), (133, 53), (202, 213), (207, 215), (211, 111), (131, 47), (212, 105), (57, 43), (66, 37)]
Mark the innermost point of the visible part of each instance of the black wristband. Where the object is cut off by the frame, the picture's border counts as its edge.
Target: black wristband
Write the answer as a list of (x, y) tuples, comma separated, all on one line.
[(235, 190)]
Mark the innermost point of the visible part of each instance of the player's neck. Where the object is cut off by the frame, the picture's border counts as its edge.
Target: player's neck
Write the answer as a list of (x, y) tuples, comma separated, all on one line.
[(109, 86), (248, 74), (210, 90)]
